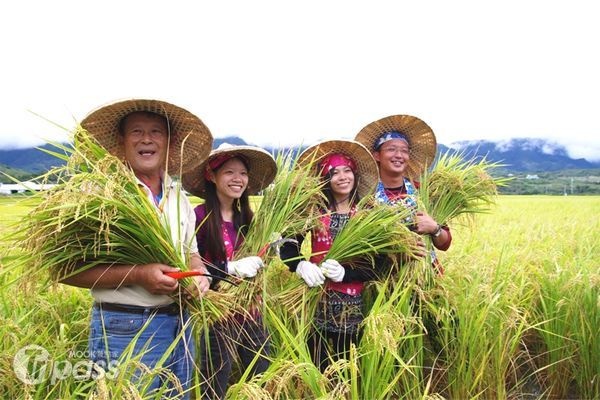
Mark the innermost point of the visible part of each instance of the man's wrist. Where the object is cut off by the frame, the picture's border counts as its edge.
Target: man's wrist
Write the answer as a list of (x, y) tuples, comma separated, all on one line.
[(437, 232)]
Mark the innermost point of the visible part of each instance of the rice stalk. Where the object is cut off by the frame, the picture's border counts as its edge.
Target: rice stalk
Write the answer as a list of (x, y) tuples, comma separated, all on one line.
[(292, 374), (391, 348), (374, 230), (97, 214), (289, 205), (456, 187)]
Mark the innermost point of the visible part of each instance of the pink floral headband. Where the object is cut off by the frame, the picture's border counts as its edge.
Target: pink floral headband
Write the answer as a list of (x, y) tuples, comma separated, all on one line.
[(219, 160), (335, 160)]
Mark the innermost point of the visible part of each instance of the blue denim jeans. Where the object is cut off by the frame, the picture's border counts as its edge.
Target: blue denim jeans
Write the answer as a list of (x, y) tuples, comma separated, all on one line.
[(150, 334)]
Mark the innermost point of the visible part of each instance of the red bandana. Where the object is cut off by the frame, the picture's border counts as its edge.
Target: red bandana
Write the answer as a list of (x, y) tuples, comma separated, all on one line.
[(336, 160), (219, 160)]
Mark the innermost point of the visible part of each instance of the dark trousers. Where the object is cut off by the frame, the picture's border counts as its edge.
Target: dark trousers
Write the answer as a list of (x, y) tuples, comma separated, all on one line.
[(327, 346), (223, 343)]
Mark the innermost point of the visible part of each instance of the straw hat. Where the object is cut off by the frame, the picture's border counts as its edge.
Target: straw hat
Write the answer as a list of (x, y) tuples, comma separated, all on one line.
[(261, 169), (187, 130), (421, 139), (366, 166)]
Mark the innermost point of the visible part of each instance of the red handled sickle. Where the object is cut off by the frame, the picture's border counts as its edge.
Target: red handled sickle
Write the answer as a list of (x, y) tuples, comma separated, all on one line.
[(186, 274)]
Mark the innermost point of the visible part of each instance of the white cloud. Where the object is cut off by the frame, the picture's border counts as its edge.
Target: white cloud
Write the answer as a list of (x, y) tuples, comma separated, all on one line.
[(283, 73)]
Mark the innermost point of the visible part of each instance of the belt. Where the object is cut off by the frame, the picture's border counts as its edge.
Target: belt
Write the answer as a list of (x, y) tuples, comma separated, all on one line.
[(170, 309)]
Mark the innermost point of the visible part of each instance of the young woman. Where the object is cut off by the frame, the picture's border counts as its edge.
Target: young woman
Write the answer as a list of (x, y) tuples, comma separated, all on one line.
[(350, 173), (225, 182)]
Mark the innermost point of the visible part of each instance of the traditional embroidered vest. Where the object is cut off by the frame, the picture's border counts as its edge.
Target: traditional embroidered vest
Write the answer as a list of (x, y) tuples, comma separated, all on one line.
[(321, 242)]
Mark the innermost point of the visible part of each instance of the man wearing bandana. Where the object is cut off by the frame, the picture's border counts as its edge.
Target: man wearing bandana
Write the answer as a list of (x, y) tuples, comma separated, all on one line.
[(404, 147)]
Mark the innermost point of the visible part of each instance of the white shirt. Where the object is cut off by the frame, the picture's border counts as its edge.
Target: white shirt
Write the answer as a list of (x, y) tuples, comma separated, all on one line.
[(175, 210)]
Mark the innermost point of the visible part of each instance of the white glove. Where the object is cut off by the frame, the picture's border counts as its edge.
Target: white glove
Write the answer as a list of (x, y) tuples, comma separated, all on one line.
[(311, 274), (246, 267), (333, 270)]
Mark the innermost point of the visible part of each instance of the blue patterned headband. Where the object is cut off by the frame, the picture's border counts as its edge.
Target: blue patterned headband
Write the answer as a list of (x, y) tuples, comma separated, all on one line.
[(387, 136)]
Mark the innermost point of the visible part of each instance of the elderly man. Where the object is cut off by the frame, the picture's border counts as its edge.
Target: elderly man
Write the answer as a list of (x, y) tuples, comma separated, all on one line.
[(133, 304)]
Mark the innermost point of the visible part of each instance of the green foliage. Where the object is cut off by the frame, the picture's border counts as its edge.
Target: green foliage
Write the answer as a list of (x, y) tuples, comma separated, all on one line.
[(514, 316), (458, 187), (291, 204), (97, 214), (570, 182), (16, 173)]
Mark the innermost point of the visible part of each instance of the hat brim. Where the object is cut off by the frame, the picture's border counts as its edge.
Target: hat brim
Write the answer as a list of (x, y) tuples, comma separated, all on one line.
[(421, 140), (262, 169), (190, 140), (366, 167)]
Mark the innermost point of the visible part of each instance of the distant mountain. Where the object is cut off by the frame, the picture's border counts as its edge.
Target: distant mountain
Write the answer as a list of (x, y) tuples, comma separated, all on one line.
[(31, 160), (523, 154), (241, 142), (229, 139), (520, 155)]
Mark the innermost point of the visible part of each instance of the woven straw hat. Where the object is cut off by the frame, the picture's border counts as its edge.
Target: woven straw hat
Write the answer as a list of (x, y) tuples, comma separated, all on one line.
[(190, 142), (261, 169), (366, 167), (421, 139)]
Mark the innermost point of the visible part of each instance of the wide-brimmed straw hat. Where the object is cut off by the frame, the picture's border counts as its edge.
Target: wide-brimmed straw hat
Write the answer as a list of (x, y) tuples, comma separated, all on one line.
[(366, 167), (261, 168), (190, 140), (421, 139)]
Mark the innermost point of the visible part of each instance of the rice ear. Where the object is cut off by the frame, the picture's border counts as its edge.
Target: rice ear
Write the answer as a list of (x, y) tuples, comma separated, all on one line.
[(97, 214), (458, 187), (288, 206)]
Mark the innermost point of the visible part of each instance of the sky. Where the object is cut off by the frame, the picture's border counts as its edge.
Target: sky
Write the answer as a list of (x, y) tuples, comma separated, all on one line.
[(283, 73)]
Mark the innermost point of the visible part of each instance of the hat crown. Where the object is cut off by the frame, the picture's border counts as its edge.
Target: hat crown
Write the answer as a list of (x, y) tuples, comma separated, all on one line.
[(261, 164), (365, 163), (419, 136), (225, 146), (190, 138)]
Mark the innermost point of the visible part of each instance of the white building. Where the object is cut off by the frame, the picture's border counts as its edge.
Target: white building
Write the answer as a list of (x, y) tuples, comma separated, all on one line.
[(13, 188)]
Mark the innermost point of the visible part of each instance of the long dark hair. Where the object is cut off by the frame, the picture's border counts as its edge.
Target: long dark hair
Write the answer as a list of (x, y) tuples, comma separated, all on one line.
[(242, 216), (331, 204)]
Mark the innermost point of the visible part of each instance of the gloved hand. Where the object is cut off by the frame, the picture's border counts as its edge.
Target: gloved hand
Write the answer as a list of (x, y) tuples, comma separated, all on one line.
[(246, 267), (333, 270), (311, 274)]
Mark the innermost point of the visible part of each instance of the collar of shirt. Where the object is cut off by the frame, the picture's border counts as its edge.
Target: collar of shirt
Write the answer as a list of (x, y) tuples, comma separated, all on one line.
[(167, 185)]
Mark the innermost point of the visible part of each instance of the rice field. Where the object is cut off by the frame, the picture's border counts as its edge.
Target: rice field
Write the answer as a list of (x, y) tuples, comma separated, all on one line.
[(516, 316)]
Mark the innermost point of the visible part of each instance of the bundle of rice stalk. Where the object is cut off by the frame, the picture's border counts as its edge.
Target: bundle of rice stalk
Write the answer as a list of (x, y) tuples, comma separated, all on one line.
[(97, 215), (456, 189), (375, 229), (459, 188), (289, 205)]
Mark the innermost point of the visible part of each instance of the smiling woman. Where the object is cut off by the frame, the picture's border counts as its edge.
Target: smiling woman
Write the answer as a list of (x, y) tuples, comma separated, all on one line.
[(225, 181)]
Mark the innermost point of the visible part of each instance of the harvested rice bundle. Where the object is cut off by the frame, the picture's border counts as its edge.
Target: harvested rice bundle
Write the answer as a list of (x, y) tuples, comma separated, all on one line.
[(458, 188), (374, 229), (455, 189), (98, 214), (350, 232), (288, 205)]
